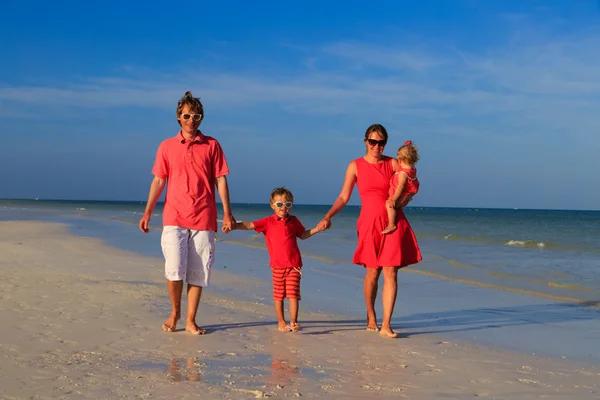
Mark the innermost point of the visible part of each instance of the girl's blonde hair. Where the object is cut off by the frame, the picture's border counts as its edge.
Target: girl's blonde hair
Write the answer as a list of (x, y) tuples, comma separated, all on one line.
[(408, 153)]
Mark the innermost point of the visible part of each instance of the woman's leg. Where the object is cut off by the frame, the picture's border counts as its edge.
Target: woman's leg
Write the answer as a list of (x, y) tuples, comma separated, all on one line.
[(370, 289), (390, 290)]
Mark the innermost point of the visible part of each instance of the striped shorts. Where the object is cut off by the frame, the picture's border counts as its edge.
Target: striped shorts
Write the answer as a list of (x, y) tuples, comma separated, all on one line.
[(286, 283)]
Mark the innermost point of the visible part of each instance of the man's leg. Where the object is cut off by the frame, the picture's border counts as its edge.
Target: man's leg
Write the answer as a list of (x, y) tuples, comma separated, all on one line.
[(201, 248), (175, 289), (193, 298), (174, 247)]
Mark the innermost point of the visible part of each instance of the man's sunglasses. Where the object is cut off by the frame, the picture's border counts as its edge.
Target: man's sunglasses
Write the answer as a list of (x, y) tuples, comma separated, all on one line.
[(373, 142), (279, 204), (195, 117)]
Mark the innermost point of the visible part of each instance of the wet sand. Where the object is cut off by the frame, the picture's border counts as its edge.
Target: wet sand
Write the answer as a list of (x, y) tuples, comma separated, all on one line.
[(83, 320)]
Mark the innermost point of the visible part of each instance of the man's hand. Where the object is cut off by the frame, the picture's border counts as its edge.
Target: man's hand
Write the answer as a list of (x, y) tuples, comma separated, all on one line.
[(145, 222), (228, 223)]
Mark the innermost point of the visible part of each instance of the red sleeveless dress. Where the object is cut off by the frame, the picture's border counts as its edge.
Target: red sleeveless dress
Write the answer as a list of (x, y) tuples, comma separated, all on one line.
[(374, 249)]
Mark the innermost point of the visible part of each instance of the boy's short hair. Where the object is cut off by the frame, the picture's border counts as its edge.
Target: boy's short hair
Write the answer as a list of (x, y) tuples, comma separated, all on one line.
[(194, 104), (282, 191)]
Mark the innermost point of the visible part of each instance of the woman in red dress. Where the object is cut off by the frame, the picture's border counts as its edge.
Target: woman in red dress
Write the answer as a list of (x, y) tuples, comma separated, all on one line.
[(375, 251)]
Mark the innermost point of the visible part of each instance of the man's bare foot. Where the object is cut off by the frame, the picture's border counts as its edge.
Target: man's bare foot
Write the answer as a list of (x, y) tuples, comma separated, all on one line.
[(389, 229), (388, 333), (171, 324), (295, 326), (194, 329)]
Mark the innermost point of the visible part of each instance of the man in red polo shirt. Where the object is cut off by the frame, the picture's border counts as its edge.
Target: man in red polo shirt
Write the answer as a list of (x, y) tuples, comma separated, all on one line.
[(191, 164)]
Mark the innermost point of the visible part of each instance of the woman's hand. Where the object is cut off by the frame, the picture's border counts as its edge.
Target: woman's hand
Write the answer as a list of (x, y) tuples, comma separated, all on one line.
[(324, 224)]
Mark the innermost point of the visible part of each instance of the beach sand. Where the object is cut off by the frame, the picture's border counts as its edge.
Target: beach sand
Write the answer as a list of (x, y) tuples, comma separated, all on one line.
[(83, 320)]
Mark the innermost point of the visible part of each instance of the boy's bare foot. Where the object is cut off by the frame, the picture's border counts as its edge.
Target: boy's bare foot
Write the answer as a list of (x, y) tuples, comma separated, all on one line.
[(283, 326), (388, 333), (171, 324), (295, 327), (194, 329), (389, 229)]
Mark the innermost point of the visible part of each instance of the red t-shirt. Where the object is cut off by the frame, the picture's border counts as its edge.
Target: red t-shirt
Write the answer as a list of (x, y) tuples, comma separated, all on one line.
[(280, 235), (191, 168)]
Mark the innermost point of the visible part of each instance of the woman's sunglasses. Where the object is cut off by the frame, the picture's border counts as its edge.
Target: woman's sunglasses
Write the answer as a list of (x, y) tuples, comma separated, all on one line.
[(195, 117), (373, 142), (279, 204)]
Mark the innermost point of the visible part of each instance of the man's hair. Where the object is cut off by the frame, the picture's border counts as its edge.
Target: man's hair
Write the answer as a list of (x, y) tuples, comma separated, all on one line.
[(282, 191), (193, 103)]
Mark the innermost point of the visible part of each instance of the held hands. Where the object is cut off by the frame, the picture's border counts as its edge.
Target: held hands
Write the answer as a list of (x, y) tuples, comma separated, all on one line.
[(324, 224), (228, 223)]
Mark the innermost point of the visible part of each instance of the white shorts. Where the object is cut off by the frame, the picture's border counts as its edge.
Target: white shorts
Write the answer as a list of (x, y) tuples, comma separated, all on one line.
[(189, 254)]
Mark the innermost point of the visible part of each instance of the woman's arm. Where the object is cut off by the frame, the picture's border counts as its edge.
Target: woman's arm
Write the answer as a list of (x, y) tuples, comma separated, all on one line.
[(343, 198)]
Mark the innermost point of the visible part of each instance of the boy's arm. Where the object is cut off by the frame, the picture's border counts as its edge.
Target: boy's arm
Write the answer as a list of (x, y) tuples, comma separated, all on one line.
[(243, 226), (310, 233)]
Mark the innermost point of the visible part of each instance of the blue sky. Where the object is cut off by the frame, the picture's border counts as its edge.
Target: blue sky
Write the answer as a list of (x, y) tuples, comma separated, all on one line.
[(502, 98)]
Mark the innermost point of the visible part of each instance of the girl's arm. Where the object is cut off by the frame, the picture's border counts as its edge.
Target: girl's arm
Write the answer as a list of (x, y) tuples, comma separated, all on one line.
[(392, 202), (343, 198), (243, 226)]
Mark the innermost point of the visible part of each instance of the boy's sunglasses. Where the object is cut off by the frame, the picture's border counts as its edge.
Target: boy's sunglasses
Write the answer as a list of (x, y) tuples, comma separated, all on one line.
[(279, 204), (195, 117), (373, 142)]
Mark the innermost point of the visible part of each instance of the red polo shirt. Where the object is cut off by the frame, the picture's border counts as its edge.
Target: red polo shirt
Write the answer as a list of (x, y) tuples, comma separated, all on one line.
[(191, 168), (280, 235)]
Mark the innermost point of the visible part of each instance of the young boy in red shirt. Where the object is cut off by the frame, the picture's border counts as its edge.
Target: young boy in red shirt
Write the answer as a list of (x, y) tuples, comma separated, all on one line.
[(281, 230)]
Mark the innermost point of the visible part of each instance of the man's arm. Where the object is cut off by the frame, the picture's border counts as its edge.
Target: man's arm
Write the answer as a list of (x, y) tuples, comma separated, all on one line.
[(223, 189), (156, 188)]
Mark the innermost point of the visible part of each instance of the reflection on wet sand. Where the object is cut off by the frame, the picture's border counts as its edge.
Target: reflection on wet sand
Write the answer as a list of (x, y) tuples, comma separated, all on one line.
[(191, 371)]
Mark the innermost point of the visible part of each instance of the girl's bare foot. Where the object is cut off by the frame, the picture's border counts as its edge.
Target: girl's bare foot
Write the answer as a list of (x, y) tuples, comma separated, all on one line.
[(388, 333), (282, 326), (295, 326), (171, 324), (194, 329), (389, 229)]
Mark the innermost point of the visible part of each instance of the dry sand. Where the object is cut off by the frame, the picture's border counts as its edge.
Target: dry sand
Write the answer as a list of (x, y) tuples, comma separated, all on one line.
[(83, 320)]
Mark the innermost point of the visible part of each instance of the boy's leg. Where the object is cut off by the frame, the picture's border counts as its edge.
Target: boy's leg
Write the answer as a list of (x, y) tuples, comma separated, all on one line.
[(294, 307), (292, 288), (174, 247), (281, 324), (201, 248), (391, 212), (278, 276)]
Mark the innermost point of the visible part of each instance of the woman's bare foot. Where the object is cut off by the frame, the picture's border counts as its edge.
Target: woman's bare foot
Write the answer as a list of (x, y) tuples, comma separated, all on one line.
[(295, 326), (171, 324), (194, 329), (389, 229), (388, 333), (372, 326)]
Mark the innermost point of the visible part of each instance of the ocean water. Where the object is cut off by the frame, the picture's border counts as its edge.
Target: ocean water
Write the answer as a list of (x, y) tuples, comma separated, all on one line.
[(553, 254)]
